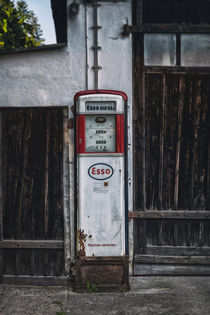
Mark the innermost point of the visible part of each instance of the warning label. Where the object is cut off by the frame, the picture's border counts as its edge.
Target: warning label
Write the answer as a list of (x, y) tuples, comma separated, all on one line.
[(98, 245), (101, 187)]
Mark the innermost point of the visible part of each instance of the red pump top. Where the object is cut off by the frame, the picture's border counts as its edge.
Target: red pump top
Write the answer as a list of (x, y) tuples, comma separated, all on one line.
[(101, 92)]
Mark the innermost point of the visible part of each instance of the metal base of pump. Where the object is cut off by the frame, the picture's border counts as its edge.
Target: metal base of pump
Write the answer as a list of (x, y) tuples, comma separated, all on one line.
[(101, 274)]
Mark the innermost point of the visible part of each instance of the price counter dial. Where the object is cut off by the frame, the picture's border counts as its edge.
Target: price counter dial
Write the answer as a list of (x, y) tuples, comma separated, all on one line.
[(100, 133)]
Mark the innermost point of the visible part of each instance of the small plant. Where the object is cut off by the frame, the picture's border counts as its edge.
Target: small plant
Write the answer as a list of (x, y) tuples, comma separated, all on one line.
[(91, 288), (61, 312), (57, 302)]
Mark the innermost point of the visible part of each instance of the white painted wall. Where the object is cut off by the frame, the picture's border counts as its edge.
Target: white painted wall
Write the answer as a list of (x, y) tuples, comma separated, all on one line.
[(39, 78), (52, 77)]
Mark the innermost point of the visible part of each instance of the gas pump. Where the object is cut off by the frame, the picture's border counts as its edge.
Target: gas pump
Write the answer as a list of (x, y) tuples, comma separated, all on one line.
[(101, 189)]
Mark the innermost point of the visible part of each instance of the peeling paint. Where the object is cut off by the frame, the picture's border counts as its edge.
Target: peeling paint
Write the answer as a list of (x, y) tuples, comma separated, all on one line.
[(114, 38), (81, 236)]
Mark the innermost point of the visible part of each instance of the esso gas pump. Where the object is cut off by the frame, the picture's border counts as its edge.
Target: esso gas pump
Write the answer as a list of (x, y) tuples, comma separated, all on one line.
[(101, 188)]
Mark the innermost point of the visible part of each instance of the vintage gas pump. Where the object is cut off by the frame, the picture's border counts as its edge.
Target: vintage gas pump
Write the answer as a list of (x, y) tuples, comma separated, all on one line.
[(101, 190)]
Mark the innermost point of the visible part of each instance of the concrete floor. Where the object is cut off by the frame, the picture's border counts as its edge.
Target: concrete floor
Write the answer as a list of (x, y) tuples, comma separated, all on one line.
[(148, 295)]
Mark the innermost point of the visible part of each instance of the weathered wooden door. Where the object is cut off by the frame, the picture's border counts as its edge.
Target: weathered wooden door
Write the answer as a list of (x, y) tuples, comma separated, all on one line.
[(31, 196), (172, 168), (171, 137)]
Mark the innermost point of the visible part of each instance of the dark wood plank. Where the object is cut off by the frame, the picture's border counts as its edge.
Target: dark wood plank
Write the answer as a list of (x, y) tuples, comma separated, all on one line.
[(32, 267), (168, 232), (206, 233), (186, 146), (46, 176), (154, 124), (33, 170), (56, 226), (201, 234), (176, 234), (177, 70), (164, 28), (24, 262), (177, 250), (183, 260), (58, 263), (160, 232), (169, 214), (161, 152), (140, 236), (139, 127), (139, 12), (35, 280), (196, 119), (178, 142), (9, 261), (171, 109), (188, 238), (186, 12), (32, 244), (40, 266), (17, 262), (173, 270)]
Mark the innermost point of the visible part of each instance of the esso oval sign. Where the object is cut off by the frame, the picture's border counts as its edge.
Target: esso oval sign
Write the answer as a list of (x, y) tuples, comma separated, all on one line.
[(100, 171)]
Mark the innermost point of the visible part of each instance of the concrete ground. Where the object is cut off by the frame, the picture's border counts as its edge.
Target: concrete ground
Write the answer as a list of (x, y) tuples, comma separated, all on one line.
[(148, 295)]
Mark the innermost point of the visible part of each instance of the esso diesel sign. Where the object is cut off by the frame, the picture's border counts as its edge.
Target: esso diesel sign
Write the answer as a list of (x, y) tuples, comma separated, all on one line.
[(100, 171)]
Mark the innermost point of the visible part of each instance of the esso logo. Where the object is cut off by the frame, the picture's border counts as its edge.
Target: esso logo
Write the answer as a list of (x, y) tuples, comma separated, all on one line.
[(100, 171)]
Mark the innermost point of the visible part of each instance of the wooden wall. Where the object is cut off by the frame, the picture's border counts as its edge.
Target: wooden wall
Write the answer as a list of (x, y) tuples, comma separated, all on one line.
[(32, 192), (171, 145), (177, 143), (172, 176), (176, 11)]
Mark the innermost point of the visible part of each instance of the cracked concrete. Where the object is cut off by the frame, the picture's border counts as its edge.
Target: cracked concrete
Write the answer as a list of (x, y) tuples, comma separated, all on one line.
[(148, 295)]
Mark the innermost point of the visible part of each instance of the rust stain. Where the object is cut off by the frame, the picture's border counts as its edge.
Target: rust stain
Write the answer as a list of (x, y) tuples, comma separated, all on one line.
[(70, 123), (81, 236), (72, 109)]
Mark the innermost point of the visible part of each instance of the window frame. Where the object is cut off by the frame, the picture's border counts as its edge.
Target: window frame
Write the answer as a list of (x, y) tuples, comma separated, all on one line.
[(140, 28)]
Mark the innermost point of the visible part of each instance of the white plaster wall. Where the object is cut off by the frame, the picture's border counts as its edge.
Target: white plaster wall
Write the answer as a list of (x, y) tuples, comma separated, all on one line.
[(115, 56), (39, 78)]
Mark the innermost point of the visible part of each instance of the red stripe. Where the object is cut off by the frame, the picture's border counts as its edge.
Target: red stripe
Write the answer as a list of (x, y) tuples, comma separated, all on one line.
[(101, 92), (81, 134), (120, 133)]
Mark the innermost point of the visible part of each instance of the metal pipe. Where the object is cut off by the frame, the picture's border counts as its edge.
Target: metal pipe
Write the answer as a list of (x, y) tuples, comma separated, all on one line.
[(96, 47), (86, 43)]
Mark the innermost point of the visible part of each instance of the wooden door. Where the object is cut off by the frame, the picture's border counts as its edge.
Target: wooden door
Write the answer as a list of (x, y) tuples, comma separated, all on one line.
[(31, 203), (172, 175), (171, 137)]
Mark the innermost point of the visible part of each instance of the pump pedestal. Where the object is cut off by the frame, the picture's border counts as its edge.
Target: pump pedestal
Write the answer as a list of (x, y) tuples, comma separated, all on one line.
[(101, 274)]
